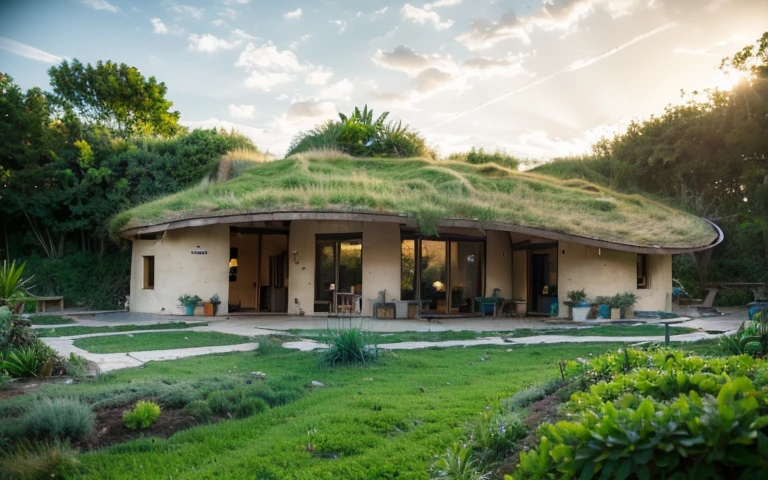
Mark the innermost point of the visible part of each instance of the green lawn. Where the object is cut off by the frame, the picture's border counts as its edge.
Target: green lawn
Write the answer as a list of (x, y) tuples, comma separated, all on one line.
[(426, 398), (598, 330), (604, 331), (50, 320), (81, 330), (141, 342)]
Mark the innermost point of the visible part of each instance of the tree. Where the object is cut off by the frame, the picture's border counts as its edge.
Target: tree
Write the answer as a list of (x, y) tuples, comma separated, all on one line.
[(115, 96)]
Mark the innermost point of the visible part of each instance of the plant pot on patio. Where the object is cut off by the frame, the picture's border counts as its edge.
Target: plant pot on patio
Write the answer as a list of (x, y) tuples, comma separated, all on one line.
[(209, 309), (580, 311)]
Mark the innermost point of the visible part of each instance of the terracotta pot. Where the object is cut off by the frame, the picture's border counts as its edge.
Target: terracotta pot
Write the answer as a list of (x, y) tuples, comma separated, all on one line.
[(208, 309), (615, 313)]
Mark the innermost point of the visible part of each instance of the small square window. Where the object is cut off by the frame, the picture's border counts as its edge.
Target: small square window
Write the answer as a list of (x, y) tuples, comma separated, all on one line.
[(642, 270), (149, 272)]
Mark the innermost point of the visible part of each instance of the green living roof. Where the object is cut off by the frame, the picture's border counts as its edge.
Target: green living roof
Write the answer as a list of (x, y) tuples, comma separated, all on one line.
[(430, 191)]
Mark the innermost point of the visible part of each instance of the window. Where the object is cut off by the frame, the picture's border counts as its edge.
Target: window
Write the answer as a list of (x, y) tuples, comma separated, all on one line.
[(642, 270), (149, 272), (338, 268)]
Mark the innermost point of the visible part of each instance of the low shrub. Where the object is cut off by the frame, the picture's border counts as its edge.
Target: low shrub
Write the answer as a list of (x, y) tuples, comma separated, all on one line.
[(249, 406), (143, 415), (45, 460), (55, 419), (221, 403), (494, 435), (36, 360), (458, 463), (199, 410), (733, 297), (525, 397), (348, 346)]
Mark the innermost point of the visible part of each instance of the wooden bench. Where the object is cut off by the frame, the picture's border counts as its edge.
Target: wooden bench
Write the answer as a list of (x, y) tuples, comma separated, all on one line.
[(43, 301)]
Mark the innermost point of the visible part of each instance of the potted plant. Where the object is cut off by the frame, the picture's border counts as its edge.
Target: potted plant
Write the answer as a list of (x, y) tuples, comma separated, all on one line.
[(578, 306), (212, 305), (627, 301), (615, 303), (603, 307), (189, 302)]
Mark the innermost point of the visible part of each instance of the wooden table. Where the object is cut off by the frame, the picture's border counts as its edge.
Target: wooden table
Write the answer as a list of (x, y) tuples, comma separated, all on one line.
[(44, 301)]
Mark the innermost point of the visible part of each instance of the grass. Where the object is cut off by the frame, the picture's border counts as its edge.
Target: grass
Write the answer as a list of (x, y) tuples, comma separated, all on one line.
[(381, 421), (604, 331), (428, 191), (141, 342), (50, 320), (83, 330), (443, 336)]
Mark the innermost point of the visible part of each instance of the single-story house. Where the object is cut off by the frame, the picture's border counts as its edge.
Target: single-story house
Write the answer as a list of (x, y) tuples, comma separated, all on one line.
[(309, 236)]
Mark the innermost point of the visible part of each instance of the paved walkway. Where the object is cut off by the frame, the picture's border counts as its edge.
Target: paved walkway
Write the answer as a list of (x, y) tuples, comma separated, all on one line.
[(254, 326)]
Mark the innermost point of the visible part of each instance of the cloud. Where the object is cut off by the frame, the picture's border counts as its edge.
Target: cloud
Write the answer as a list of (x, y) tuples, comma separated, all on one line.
[(296, 43), (432, 80), (100, 5), (379, 12), (219, 22), (563, 17), (406, 60), (485, 67), (319, 76), (186, 10), (341, 90), (27, 51), (240, 34), (341, 24), (293, 15), (210, 43), (159, 27), (267, 80), (441, 3), (423, 16), (241, 111), (228, 13), (267, 56), (311, 109), (235, 2)]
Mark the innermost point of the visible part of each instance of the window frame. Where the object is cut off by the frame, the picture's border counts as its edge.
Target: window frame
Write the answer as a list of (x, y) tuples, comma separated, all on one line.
[(643, 278), (148, 272)]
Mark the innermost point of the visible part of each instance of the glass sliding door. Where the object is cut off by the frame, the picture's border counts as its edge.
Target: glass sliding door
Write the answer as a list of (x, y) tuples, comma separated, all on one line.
[(465, 279), (325, 274), (434, 280), (408, 269), (338, 268)]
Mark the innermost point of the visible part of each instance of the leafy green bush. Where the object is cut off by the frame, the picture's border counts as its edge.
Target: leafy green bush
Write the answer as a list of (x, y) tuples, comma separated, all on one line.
[(199, 410), (458, 463), (493, 435), (54, 419), (143, 415), (656, 414), (348, 346), (239, 403), (46, 460), (733, 297), (249, 406), (360, 135), (34, 361)]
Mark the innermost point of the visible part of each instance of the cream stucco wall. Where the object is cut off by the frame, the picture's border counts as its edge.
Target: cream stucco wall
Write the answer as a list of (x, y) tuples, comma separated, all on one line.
[(381, 261), (178, 271), (608, 272), (498, 261)]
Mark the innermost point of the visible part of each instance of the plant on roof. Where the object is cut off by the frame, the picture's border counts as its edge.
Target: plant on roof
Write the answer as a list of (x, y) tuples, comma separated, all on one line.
[(360, 135)]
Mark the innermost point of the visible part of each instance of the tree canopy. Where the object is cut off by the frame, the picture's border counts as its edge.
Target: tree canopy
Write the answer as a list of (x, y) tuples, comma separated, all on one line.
[(116, 96)]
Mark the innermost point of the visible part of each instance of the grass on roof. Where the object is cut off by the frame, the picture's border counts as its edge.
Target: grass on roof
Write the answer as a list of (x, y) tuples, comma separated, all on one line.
[(429, 191)]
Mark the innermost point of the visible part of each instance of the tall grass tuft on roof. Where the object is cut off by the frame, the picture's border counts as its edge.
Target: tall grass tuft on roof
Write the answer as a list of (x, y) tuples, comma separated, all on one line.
[(360, 135), (429, 191)]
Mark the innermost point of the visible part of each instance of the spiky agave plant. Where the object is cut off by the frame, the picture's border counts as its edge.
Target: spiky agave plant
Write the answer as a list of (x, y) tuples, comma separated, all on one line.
[(14, 287)]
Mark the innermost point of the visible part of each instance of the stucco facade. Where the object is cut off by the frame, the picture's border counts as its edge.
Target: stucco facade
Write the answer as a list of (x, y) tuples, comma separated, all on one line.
[(195, 261)]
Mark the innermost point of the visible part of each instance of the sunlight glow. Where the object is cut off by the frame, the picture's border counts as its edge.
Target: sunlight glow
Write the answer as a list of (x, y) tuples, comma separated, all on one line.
[(727, 79)]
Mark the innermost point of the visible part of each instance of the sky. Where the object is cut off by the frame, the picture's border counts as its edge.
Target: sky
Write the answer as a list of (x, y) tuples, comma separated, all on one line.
[(536, 79)]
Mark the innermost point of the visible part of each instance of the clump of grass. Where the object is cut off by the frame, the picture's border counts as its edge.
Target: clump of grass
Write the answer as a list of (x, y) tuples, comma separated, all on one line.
[(50, 320), (27, 460), (348, 346), (268, 346), (199, 410), (235, 162), (321, 153), (143, 415), (54, 419)]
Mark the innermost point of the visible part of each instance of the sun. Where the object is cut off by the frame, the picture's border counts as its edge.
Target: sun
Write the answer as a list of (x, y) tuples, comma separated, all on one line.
[(727, 78)]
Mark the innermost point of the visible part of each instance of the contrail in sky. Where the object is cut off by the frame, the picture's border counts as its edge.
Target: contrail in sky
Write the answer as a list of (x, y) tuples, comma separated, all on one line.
[(577, 65)]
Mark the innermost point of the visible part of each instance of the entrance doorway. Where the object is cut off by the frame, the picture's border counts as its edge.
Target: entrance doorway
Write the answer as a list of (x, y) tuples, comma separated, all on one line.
[(338, 268), (258, 270), (446, 274), (543, 282)]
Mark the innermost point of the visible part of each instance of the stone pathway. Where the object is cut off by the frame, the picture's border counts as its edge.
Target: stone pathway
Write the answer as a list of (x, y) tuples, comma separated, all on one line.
[(253, 326)]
